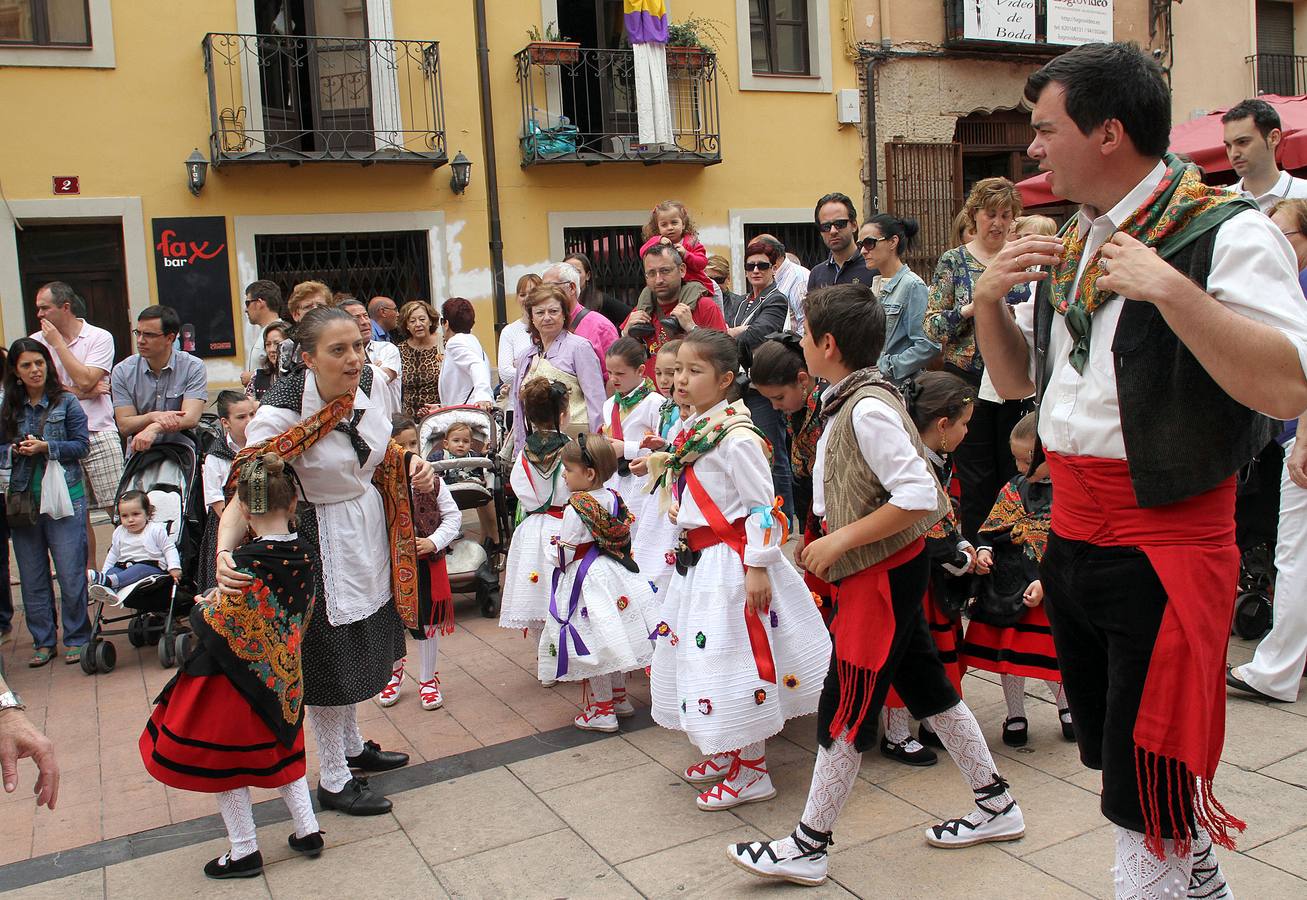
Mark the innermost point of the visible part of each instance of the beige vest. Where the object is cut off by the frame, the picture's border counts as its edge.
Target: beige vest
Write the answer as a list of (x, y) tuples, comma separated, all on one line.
[(853, 491)]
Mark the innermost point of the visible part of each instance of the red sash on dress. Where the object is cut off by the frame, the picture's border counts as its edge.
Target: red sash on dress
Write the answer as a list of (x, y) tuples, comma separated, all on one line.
[(615, 422), (719, 531), (1180, 728)]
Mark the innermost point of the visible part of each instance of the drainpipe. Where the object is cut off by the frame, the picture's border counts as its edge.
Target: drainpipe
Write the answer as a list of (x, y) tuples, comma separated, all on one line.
[(873, 142), (884, 25), (492, 168)]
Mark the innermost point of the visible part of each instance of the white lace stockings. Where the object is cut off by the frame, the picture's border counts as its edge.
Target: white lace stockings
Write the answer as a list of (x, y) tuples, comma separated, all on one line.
[(428, 653), (300, 804), (238, 816), (898, 724), (337, 733), (1139, 875), (1014, 692), (960, 734), (833, 777)]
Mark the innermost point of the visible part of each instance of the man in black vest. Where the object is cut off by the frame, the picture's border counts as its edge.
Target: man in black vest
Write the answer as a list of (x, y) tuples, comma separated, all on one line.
[(1168, 313)]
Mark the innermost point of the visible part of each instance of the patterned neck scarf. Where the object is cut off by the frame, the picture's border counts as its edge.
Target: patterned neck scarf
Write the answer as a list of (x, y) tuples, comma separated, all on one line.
[(805, 431), (628, 402), (543, 448), (668, 415), (698, 440), (1178, 200), (611, 530), (851, 384)]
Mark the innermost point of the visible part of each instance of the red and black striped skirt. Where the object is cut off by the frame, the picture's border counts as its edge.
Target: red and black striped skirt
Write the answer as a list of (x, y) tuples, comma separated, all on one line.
[(1024, 649), (204, 736)]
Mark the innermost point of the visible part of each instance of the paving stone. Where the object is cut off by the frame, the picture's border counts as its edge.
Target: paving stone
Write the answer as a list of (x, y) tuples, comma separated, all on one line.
[(701, 869), (467, 815), (943, 792), (1054, 812), (1271, 808), (1250, 877), (1293, 770), (558, 864), (385, 866), (1084, 861), (1288, 853), (178, 873), (83, 886), (1258, 734), (629, 814), (339, 832), (566, 767)]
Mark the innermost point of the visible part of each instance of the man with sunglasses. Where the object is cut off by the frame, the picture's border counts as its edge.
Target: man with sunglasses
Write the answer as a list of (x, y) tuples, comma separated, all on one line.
[(159, 391), (262, 308), (837, 220)]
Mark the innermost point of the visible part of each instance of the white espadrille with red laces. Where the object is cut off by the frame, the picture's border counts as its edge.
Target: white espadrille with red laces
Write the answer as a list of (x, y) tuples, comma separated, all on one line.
[(429, 693), (622, 706), (597, 716), (746, 782), (389, 695), (712, 769)]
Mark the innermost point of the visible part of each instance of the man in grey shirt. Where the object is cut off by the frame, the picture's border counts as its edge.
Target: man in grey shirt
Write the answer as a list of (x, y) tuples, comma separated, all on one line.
[(159, 391)]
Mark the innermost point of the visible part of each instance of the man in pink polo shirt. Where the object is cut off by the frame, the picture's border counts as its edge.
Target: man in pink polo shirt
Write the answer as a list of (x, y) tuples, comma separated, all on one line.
[(83, 357), (585, 322)]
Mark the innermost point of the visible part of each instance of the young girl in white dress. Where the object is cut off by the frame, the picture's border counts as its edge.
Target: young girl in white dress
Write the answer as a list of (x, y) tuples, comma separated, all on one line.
[(599, 620), (537, 482), (740, 646), (656, 534), (630, 415)]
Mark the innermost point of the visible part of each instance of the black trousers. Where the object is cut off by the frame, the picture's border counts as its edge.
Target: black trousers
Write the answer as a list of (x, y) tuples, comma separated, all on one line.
[(912, 668), (984, 460), (1106, 606), (1257, 504)]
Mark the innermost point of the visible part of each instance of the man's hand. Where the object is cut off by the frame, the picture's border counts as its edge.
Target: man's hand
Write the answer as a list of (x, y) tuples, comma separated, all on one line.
[(757, 589), (1296, 462), (145, 438), (167, 420), (1134, 270), (685, 316), (638, 317), (421, 476), (19, 739), (821, 554), (52, 335), (1012, 267)]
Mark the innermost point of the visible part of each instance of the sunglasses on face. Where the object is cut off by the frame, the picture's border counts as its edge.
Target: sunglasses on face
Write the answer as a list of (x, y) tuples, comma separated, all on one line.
[(720, 281), (869, 243), (834, 224), (757, 266)]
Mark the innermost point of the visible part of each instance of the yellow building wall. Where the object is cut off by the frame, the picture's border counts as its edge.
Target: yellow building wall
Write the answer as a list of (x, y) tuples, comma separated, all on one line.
[(1212, 40), (126, 131)]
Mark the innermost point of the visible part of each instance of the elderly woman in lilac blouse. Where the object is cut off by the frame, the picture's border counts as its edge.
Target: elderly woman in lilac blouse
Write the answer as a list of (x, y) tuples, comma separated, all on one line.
[(559, 355)]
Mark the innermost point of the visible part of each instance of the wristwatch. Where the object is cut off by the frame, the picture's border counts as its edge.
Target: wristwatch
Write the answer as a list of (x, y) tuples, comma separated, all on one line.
[(10, 700)]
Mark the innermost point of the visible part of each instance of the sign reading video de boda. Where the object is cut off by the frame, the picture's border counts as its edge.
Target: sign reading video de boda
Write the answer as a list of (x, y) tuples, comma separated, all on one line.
[(191, 268), (1078, 22), (1000, 20)]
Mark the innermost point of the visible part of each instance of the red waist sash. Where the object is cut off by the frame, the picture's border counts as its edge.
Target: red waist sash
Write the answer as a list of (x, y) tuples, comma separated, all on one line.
[(1180, 728)]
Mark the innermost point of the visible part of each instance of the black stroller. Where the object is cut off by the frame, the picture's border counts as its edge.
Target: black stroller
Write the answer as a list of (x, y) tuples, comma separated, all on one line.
[(155, 608), (1256, 515)]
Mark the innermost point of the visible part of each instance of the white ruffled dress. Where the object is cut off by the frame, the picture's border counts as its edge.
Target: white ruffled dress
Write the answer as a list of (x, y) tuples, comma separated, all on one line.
[(531, 554)]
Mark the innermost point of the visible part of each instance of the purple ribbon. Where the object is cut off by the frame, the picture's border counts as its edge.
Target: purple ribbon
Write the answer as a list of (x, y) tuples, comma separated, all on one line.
[(566, 626)]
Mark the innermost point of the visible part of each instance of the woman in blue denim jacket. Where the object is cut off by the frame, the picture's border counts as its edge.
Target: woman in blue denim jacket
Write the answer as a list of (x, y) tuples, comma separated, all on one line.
[(40, 421), (883, 240)]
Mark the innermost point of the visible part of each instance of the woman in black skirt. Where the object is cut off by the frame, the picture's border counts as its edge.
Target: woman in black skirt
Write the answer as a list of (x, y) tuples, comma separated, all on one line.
[(331, 423)]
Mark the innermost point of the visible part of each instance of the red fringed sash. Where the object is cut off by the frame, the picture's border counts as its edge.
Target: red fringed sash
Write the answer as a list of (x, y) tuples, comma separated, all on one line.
[(863, 629), (1180, 728)]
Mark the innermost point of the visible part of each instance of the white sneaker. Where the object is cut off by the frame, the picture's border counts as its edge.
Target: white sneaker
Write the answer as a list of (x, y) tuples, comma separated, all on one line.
[(803, 863), (100, 593), (712, 769), (429, 693), (748, 782), (1008, 825), (597, 717), (389, 695)]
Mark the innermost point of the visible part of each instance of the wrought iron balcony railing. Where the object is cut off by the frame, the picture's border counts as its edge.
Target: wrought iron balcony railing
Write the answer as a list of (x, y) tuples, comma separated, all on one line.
[(579, 105), (1278, 73), (291, 99)]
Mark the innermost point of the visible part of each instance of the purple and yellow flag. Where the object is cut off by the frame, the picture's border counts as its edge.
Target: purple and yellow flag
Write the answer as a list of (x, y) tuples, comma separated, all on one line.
[(646, 21)]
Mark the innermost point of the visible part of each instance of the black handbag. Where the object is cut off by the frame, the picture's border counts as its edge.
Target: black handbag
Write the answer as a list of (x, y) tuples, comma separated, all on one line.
[(1000, 595), (22, 508)]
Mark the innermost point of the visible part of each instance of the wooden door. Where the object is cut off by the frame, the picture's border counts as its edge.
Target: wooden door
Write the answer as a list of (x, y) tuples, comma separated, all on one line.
[(88, 257), (924, 182)]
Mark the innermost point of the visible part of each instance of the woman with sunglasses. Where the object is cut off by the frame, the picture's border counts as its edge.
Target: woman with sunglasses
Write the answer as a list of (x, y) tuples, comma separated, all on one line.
[(883, 240), (749, 319)]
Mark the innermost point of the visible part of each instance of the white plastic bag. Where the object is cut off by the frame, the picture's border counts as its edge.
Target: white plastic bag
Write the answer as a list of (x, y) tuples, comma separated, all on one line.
[(55, 501)]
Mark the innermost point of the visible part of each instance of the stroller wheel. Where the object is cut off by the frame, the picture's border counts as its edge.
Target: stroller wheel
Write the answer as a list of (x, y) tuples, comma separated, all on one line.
[(136, 634), (88, 657), (182, 647), (152, 628), (167, 654), (106, 656), (1252, 615)]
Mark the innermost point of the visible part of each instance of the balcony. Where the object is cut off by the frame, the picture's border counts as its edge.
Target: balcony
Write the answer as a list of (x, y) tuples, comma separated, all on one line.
[(1278, 73), (292, 99), (578, 105)]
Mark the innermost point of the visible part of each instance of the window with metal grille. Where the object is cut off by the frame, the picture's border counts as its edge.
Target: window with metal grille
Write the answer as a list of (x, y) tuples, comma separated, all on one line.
[(1276, 64), (393, 264), (800, 238), (614, 252), (778, 31)]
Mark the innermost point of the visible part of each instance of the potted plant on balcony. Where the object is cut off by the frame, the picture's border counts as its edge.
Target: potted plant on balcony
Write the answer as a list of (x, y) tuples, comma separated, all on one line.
[(551, 48), (690, 41)]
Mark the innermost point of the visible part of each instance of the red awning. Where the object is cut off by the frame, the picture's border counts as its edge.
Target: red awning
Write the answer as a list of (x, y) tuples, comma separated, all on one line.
[(1201, 140)]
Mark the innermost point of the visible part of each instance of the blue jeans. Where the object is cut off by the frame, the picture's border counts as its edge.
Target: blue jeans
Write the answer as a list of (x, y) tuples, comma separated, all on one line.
[(6, 594), (123, 576), (772, 423), (64, 540)]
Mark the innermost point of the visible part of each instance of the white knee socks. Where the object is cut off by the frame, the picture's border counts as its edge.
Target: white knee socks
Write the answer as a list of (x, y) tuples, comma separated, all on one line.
[(960, 734), (601, 688), (898, 723), (337, 734), (238, 816), (1014, 692), (300, 804), (1139, 875), (428, 652)]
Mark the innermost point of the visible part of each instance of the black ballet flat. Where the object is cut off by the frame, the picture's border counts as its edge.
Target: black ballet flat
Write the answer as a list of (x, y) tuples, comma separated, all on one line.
[(224, 867), (928, 738), (1016, 737), (1068, 729), (310, 845), (922, 756)]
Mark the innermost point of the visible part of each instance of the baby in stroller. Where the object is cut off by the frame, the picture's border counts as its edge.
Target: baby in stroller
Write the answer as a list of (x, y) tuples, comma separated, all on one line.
[(458, 443), (140, 548)]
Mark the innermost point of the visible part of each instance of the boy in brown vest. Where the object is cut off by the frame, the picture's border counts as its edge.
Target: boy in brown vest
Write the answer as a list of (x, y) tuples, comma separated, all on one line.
[(875, 491)]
